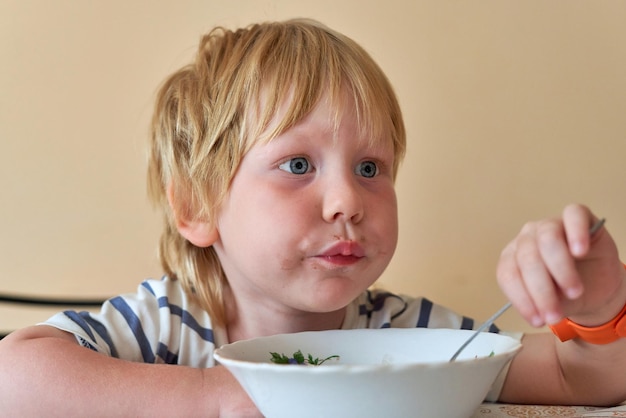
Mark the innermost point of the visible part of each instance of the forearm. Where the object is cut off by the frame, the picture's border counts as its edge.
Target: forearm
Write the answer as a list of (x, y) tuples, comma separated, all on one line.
[(50, 375), (594, 374), (573, 372), (547, 372), (597, 370)]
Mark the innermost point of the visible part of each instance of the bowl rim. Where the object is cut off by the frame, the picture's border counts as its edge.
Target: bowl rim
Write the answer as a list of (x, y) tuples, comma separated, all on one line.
[(221, 357)]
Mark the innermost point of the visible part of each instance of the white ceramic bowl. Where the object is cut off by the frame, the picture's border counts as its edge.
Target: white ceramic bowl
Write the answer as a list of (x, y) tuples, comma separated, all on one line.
[(381, 373)]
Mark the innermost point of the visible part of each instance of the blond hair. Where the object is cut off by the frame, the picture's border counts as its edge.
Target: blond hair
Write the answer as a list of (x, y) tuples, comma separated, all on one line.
[(209, 113)]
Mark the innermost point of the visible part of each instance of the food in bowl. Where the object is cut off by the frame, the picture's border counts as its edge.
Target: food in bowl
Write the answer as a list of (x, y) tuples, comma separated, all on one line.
[(299, 358), (380, 372)]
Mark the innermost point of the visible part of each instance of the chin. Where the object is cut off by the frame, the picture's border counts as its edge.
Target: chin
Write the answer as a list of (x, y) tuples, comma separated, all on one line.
[(333, 299)]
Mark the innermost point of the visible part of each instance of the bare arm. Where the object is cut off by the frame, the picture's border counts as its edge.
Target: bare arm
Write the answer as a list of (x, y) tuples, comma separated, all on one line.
[(554, 268), (44, 371), (547, 371)]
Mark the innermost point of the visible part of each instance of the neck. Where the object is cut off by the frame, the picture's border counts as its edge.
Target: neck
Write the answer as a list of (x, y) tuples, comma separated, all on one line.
[(263, 320)]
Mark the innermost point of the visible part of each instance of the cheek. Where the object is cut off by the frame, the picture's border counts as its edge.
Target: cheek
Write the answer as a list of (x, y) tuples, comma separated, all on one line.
[(264, 223), (385, 210), (385, 216)]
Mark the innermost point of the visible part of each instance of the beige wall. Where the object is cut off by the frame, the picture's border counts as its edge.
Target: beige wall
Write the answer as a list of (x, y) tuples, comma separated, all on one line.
[(513, 109)]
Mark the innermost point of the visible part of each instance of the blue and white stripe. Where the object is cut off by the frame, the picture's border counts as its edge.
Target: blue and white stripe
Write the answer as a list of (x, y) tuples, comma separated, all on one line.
[(161, 324)]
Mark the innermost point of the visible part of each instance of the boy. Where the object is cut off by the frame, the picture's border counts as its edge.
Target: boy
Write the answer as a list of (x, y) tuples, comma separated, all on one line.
[(273, 158)]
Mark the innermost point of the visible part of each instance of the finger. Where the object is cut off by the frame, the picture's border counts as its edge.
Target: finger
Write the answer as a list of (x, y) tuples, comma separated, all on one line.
[(559, 263), (537, 279), (510, 281), (577, 220)]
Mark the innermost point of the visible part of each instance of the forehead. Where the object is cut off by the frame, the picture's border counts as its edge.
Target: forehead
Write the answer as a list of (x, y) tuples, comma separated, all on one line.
[(332, 112)]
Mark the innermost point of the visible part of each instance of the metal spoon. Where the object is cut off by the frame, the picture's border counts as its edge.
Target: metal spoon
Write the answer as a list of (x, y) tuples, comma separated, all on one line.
[(480, 329), (503, 309)]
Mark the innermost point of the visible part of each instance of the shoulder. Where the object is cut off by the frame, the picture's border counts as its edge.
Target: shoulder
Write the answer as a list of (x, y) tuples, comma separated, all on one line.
[(165, 302), (165, 286), (157, 323), (154, 298)]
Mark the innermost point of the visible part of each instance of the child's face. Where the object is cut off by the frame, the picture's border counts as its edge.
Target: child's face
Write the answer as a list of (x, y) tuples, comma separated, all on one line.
[(310, 220)]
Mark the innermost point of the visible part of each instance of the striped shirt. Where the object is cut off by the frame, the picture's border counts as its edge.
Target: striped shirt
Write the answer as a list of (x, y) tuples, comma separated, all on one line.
[(161, 324)]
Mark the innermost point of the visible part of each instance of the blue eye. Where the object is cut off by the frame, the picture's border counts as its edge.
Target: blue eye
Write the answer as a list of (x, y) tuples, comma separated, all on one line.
[(298, 165), (367, 169)]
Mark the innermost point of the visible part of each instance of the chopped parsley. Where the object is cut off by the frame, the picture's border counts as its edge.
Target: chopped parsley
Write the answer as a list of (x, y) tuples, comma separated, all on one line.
[(299, 358)]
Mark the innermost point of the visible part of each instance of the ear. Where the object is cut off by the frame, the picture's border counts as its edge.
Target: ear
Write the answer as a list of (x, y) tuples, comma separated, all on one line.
[(199, 232)]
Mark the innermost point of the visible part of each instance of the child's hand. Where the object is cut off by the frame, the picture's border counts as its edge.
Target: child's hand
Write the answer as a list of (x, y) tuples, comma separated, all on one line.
[(554, 268)]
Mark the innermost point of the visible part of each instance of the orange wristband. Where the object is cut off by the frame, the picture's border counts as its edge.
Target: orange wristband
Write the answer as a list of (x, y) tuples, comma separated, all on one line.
[(603, 334)]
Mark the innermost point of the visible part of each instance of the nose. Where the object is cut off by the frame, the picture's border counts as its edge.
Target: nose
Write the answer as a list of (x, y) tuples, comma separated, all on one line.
[(343, 200)]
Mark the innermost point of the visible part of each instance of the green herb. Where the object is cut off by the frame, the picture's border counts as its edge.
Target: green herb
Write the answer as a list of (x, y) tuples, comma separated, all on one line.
[(299, 358)]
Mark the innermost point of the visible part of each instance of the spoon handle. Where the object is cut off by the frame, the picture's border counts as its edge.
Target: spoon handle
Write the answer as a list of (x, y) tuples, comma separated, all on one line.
[(480, 329)]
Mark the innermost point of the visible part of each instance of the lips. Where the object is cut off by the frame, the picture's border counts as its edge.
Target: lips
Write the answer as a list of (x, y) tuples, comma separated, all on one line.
[(342, 253), (344, 248)]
